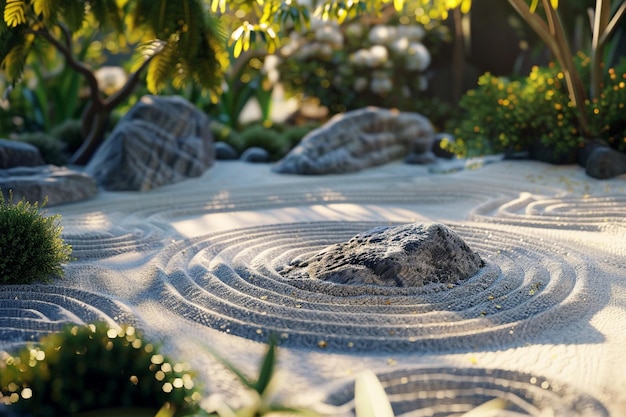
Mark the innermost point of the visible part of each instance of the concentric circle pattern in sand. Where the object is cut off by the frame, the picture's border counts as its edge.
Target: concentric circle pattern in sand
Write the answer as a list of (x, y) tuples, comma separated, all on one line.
[(231, 281), (571, 212), (28, 312), (444, 392), (97, 244)]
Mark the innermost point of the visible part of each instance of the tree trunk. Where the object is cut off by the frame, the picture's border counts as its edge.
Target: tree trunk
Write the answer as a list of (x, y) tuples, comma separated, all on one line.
[(94, 125)]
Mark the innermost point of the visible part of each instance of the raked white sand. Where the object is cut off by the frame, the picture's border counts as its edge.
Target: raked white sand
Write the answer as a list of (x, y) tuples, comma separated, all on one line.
[(195, 266)]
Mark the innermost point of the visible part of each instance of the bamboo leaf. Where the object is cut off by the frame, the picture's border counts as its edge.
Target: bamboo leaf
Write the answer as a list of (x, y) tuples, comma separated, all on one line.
[(466, 6), (218, 5), (237, 48), (15, 13), (43, 8)]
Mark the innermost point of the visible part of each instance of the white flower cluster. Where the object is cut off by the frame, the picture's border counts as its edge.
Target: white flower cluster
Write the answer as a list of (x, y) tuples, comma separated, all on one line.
[(327, 38), (390, 46), (383, 51)]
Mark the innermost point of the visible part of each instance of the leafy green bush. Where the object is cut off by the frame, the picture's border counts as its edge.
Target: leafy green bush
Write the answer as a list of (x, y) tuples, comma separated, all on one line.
[(269, 139), (52, 150), (94, 367), (294, 134), (69, 133), (535, 112), (31, 247), (606, 113), (224, 133)]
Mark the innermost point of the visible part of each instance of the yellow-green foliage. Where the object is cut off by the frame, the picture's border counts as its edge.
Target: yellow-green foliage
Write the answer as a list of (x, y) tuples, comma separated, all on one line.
[(515, 115), (94, 367), (31, 247)]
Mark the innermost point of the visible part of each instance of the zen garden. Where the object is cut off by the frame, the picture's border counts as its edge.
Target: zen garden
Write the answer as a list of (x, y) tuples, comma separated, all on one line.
[(360, 208)]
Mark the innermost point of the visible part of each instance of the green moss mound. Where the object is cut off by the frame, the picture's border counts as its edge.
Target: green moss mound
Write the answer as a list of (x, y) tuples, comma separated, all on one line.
[(31, 247), (95, 367), (267, 138)]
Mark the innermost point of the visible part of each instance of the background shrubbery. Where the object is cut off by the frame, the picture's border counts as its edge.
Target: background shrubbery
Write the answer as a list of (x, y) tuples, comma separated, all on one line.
[(528, 113)]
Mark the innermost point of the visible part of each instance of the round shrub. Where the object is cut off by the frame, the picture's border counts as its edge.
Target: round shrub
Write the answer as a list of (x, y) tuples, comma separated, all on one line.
[(294, 134), (52, 149), (269, 139), (94, 367), (69, 133), (224, 133), (31, 247)]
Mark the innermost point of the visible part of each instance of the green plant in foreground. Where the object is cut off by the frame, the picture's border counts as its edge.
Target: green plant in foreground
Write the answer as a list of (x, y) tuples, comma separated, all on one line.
[(31, 247), (262, 392), (96, 367)]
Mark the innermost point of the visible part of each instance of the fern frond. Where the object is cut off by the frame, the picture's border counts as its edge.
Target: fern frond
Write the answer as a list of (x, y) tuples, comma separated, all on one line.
[(14, 55), (162, 67), (73, 12), (209, 63), (15, 12), (107, 13)]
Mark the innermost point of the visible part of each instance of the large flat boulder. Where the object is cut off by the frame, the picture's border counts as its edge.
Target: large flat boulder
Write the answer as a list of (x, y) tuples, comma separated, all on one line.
[(59, 185), (19, 154), (360, 139), (411, 255), (160, 141)]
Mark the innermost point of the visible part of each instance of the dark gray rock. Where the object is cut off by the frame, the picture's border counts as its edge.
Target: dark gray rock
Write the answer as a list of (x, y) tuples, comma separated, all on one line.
[(438, 150), (19, 154), (160, 141), (410, 255), (225, 152), (256, 155), (360, 139), (604, 163), (59, 185)]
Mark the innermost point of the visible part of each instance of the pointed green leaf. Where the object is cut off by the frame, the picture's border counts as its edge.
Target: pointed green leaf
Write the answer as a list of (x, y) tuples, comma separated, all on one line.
[(218, 4), (237, 48), (370, 398), (267, 369)]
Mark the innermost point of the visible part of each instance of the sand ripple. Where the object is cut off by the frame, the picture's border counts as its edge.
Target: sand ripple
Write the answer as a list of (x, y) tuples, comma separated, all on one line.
[(440, 392), (230, 281), (571, 213), (28, 312)]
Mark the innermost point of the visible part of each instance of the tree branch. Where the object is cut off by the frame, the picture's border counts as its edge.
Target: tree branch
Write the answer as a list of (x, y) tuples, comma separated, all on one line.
[(123, 93), (75, 64)]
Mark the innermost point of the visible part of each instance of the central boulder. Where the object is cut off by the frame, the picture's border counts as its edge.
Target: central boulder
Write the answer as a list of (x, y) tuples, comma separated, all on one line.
[(411, 255)]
